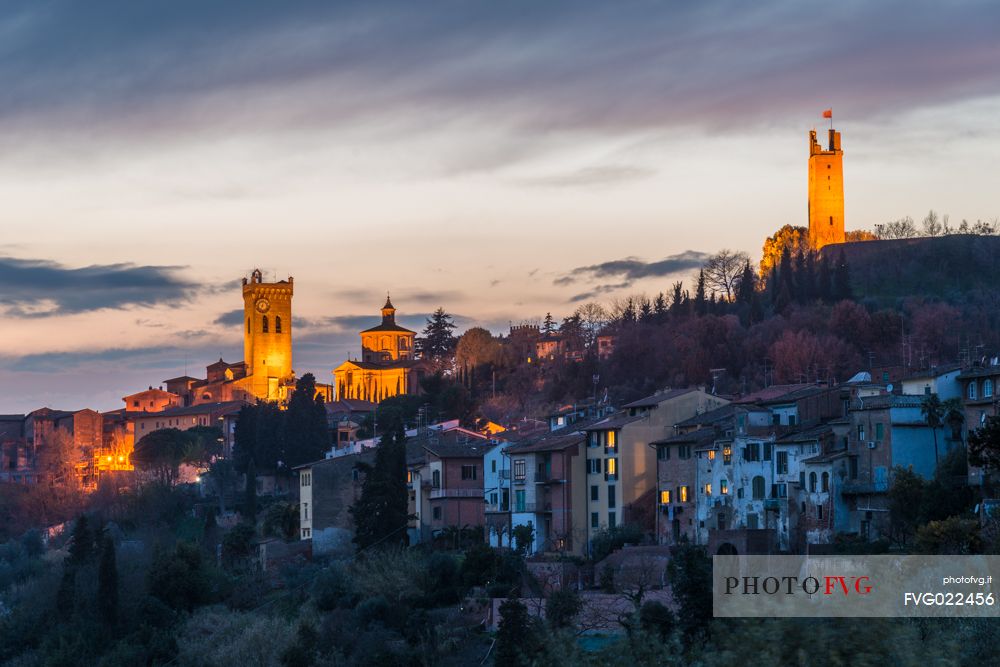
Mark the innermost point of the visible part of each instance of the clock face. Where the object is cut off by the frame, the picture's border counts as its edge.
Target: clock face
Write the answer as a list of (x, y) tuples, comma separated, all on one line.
[(263, 305)]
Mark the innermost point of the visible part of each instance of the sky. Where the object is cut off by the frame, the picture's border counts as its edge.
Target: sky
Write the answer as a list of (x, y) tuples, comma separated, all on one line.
[(498, 159)]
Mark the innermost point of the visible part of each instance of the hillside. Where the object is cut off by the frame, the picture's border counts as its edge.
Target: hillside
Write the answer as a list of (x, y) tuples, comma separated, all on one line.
[(950, 267)]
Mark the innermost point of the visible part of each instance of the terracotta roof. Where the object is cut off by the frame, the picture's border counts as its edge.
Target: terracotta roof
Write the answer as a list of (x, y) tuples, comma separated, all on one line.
[(656, 399), (183, 377), (455, 443), (773, 392), (719, 414), (700, 436), (550, 443), (388, 326)]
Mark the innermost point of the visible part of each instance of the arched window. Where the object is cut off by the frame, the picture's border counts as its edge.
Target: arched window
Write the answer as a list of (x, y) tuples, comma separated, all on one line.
[(987, 388), (972, 390), (758, 488), (812, 482), (826, 482), (277, 324), (265, 328)]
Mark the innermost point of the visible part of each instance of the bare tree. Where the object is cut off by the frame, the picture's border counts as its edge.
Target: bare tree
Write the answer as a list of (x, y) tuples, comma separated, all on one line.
[(904, 228), (932, 224), (723, 271), (593, 316)]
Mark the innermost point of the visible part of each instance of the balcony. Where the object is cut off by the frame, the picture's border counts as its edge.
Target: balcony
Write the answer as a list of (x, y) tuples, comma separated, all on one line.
[(457, 493), (534, 508)]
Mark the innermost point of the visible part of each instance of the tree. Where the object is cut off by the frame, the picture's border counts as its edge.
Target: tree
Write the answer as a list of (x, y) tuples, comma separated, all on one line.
[(250, 495), (82, 547), (515, 635), (905, 495), (438, 341), (700, 302), (951, 536), (524, 535), (984, 444), (723, 271), (204, 445), (161, 452), (562, 607), (306, 433), (842, 278), (933, 413), (690, 575), (593, 317), (380, 514), (932, 224), (477, 347), (548, 324), (107, 584), (793, 239), (904, 228)]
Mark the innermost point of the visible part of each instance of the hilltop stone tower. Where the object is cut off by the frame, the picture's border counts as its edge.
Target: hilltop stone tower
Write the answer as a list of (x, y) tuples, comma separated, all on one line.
[(267, 336), (826, 191)]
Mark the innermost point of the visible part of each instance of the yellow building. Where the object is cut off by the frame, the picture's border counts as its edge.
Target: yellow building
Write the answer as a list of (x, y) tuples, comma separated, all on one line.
[(826, 191), (267, 340), (388, 366)]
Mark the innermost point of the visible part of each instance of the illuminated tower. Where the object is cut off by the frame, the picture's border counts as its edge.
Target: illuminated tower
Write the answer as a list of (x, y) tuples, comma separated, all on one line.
[(826, 191), (267, 337)]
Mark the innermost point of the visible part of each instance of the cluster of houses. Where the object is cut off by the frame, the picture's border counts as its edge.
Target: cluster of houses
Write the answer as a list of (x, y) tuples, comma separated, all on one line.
[(783, 469)]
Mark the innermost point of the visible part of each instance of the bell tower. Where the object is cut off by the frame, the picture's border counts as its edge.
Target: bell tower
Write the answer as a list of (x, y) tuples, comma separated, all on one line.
[(826, 191), (267, 334)]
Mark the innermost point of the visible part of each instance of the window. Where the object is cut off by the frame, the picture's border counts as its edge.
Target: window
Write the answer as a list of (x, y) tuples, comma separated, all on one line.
[(595, 493), (739, 493), (305, 533), (861, 431), (469, 472), (752, 452), (436, 479), (436, 513), (135, 403), (493, 465), (711, 455), (791, 420), (879, 431), (767, 451), (708, 489), (972, 390), (775, 420), (684, 452), (757, 487), (595, 521), (592, 442), (611, 469), (727, 455), (277, 324), (825, 486), (819, 511), (264, 326), (987, 388), (664, 497), (306, 479), (854, 467), (612, 440), (812, 482), (612, 496), (493, 499), (611, 519), (594, 466), (781, 464), (519, 470), (305, 511), (248, 325), (519, 500), (723, 486), (682, 494), (663, 453), (779, 490)]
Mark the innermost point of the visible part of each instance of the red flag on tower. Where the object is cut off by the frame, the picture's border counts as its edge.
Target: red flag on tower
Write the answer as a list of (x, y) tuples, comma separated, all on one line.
[(828, 113)]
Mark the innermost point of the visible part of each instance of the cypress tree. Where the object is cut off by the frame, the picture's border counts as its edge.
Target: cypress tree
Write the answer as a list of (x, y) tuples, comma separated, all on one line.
[(250, 499), (107, 584), (700, 303), (83, 542), (380, 514), (306, 434)]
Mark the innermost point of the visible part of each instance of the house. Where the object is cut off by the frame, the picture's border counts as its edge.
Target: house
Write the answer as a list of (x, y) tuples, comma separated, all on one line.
[(940, 380), (454, 466), (621, 467)]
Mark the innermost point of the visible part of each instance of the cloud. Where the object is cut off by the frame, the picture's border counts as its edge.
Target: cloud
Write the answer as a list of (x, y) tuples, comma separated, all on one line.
[(61, 362), (597, 291), (41, 288), (633, 268), (592, 177), (230, 319)]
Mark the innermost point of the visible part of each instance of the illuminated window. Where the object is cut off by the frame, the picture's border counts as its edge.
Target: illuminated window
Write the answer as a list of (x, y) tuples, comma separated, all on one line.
[(711, 455), (409, 477), (611, 469), (727, 455), (665, 497), (708, 489), (277, 324), (265, 327), (723, 487), (612, 439)]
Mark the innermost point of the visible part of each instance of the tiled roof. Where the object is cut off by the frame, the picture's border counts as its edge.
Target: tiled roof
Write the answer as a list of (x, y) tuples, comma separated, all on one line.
[(979, 371), (773, 392), (806, 434), (200, 409), (550, 443), (936, 371), (656, 399), (388, 327), (887, 401), (719, 414), (608, 423), (700, 436)]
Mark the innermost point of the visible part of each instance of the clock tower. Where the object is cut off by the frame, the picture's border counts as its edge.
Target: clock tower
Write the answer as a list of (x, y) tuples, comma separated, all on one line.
[(267, 334)]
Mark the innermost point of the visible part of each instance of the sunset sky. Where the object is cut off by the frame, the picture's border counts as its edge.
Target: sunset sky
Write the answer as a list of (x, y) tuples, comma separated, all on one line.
[(499, 159)]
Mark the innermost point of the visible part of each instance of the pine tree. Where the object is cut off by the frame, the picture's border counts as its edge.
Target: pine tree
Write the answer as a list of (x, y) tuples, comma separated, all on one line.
[(747, 287), (515, 640), (380, 514), (700, 303), (548, 325), (107, 584), (306, 435), (438, 340)]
